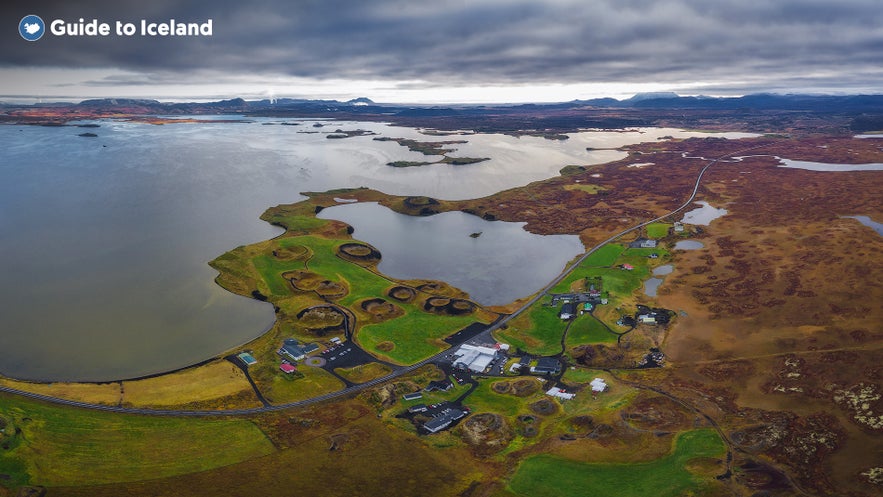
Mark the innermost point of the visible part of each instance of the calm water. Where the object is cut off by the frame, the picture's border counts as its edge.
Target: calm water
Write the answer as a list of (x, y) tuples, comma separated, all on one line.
[(503, 264), (106, 240), (703, 215), (822, 166), (663, 270), (870, 223), (651, 285), (689, 245)]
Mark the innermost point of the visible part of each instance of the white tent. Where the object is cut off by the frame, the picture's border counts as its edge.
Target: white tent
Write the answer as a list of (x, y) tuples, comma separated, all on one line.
[(598, 385)]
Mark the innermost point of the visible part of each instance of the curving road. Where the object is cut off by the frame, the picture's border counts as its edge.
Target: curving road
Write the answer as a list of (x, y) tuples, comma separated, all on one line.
[(395, 374)]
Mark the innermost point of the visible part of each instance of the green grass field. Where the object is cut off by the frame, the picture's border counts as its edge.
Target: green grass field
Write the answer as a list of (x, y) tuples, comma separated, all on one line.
[(586, 329), (604, 256), (68, 446), (548, 476), (657, 230)]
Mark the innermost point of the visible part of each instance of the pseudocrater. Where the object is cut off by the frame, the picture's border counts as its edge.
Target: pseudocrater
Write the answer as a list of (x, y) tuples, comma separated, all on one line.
[(505, 263)]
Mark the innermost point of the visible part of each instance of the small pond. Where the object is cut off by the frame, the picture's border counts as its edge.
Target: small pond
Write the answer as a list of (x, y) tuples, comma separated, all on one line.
[(703, 215), (689, 245), (870, 223)]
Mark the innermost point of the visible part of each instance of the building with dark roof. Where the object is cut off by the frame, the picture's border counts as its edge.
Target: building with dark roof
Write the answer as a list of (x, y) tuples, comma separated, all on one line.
[(292, 349), (443, 420), (546, 365)]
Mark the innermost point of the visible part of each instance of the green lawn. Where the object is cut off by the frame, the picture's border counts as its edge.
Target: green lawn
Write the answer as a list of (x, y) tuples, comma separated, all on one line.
[(604, 256), (416, 334), (657, 230), (586, 329), (549, 476), (68, 446), (539, 331)]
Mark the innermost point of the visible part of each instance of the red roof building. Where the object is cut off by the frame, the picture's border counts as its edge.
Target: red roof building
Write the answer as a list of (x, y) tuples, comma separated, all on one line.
[(287, 368)]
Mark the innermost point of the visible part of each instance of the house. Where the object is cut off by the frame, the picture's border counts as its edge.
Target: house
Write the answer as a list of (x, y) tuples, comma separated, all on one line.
[(568, 310), (628, 267), (287, 368), (561, 394), (417, 408), (412, 396), (679, 227), (546, 365), (439, 386), (647, 319), (643, 243)]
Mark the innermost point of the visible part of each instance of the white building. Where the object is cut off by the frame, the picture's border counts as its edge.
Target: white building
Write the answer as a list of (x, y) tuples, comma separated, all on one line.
[(475, 358), (598, 385), (561, 394)]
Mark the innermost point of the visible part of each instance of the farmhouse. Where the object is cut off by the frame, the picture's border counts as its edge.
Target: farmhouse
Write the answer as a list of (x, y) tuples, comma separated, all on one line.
[(287, 368), (643, 243)]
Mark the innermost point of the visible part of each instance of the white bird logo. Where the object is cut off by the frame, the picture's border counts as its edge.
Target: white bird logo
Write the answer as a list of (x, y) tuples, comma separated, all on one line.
[(32, 28)]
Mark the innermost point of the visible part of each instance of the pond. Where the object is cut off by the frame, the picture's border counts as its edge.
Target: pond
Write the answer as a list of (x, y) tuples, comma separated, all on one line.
[(689, 245), (703, 215), (501, 265), (870, 223)]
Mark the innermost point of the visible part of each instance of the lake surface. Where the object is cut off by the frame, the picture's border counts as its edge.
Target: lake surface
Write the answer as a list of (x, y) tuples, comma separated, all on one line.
[(703, 215), (106, 240), (651, 285), (870, 223), (663, 270), (689, 245), (503, 264), (822, 166)]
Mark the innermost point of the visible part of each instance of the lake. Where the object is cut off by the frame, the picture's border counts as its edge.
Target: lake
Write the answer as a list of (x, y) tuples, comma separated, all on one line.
[(703, 215), (106, 240), (501, 265)]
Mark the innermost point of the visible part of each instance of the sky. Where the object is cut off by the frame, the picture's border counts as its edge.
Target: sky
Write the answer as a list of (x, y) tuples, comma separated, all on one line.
[(448, 51)]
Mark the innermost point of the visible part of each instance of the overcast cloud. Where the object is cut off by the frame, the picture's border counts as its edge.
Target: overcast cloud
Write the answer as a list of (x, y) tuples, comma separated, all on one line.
[(730, 47)]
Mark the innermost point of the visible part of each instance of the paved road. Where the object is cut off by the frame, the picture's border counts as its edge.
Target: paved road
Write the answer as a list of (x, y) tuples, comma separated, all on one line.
[(395, 374)]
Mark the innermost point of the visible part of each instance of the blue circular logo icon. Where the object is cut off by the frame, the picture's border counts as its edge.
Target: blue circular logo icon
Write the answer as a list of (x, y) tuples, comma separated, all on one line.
[(31, 27)]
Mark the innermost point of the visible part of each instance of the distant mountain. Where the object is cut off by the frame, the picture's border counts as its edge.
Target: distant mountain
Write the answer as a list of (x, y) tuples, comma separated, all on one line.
[(657, 95)]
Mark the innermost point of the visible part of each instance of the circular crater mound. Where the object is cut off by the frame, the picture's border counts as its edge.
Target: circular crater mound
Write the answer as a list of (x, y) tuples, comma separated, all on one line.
[(445, 305), (544, 407), (303, 280), (386, 346), (418, 202), (525, 387), (359, 252), (321, 319), (460, 306), (331, 289), (501, 387), (292, 253), (402, 293), (430, 288), (380, 309)]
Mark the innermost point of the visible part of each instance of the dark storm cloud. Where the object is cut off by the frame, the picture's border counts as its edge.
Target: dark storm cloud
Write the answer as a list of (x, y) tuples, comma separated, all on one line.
[(482, 42)]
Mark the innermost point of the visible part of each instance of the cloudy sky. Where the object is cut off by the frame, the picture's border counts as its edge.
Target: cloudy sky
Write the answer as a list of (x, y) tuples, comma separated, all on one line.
[(450, 51)]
